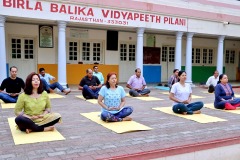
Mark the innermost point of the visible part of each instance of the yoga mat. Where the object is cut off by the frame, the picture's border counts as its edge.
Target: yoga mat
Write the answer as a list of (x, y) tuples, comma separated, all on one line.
[(54, 95), (193, 96), (149, 98), (162, 88), (200, 118), (237, 95), (7, 105), (196, 97), (93, 101), (207, 92), (20, 137), (118, 127), (211, 106)]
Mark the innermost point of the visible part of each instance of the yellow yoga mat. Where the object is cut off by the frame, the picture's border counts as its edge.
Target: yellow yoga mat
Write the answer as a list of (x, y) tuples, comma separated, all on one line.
[(211, 106), (20, 137), (207, 92), (200, 118), (118, 127), (7, 105), (54, 95), (93, 101), (146, 98), (237, 95), (193, 96), (196, 97)]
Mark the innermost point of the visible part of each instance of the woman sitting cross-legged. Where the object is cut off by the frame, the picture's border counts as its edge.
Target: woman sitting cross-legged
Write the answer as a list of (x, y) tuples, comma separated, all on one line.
[(33, 108), (113, 109), (181, 94), (224, 95)]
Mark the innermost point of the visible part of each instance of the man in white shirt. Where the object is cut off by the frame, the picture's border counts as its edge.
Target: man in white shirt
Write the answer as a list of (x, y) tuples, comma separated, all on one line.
[(212, 82), (99, 75), (46, 78)]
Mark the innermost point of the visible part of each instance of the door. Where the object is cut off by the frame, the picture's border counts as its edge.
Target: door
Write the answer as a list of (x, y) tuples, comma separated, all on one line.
[(127, 63), (230, 64), (22, 56), (168, 59)]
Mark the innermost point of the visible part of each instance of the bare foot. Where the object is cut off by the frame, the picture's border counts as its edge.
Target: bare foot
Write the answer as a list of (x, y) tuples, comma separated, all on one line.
[(50, 128), (51, 90), (66, 91), (184, 113), (127, 119), (28, 131), (197, 112)]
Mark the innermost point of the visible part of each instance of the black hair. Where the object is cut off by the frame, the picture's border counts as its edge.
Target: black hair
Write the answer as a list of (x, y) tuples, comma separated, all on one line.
[(175, 70), (180, 73), (137, 70), (220, 77), (41, 69), (13, 67), (94, 66)]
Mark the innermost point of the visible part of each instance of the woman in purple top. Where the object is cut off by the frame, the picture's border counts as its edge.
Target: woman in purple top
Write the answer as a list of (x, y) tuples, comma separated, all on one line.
[(224, 95)]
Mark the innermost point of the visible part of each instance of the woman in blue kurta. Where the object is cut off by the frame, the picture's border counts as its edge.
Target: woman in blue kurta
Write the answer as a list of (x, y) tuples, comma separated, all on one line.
[(112, 100), (224, 95)]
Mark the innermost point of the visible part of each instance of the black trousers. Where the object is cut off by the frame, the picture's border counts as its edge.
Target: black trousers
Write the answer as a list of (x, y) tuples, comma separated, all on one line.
[(26, 123)]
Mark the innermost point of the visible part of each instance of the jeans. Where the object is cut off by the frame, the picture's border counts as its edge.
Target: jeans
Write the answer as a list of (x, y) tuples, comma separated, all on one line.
[(26, 123), (47, 86), (109, 117), (89, 93), (221, 105), (189, 108), (134, 93), (7, 98)]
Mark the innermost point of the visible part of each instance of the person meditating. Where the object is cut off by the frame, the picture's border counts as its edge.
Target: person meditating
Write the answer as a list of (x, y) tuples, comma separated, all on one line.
[(224, 95), (113, 109), (33, 108), (181, 94)]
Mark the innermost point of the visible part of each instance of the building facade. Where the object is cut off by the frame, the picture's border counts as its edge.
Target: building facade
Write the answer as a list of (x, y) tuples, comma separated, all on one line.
[(66, 38)]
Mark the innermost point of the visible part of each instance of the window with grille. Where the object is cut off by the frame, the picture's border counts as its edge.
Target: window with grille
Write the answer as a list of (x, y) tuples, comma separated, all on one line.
[(86, 51), (171, 54), (193, 55), (22, 48), (205, 55), (127, 52), (89, 51), (16, 48), (232, 56), (164, 54), (73, 51), (28, 49), (227, 56), (210, 56), (198, 55)]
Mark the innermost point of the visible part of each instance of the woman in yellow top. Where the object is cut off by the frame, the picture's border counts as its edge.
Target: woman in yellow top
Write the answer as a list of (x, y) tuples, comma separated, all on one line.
[(33, 108)]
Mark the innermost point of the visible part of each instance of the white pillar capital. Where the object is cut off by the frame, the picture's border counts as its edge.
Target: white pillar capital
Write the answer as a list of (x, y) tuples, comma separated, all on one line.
[(221, 38), (2, 21), (179, 35), (190, 35), (140, 31)]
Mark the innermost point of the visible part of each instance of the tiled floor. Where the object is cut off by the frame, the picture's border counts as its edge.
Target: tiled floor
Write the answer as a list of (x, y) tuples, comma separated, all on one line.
[(88, 140)]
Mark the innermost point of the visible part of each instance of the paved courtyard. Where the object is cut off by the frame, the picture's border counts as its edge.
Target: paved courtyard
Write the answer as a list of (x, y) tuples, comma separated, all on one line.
[(87, 140)]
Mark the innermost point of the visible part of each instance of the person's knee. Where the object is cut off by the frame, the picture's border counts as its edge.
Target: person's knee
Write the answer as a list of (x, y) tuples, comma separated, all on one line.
[(103, 116), (85, 87), (19, 119), (200, 104), (129, 109)]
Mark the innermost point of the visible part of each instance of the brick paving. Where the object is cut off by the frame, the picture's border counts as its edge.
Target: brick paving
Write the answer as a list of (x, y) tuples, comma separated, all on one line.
[(87, 140)]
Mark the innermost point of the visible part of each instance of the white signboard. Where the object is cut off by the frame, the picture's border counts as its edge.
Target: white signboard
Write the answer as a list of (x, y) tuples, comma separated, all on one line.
[(85, 14)]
